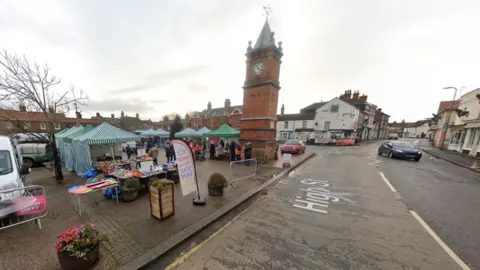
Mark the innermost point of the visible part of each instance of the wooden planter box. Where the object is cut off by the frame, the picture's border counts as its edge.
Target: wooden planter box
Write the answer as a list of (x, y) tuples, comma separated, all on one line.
[(162, 203)]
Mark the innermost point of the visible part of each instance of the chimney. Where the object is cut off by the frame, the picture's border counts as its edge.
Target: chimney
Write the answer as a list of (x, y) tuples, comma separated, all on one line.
[(379, 109), (78, 115), (22, 107), (122, 114), (209, 105), (51, 110), (347, 95), (98, 115), (282, 110), (138, 116), (355, 95), (112, 115), (227, 103), (363, 97)]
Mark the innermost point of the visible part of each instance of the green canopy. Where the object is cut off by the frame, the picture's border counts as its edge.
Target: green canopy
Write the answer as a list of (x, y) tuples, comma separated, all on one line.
[(77, 133), (107, 134), (62, 131), (225, 131)]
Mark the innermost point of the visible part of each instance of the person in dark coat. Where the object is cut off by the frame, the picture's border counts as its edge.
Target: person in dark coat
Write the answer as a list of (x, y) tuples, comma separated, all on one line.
[(129, 151), (173, 157), (212, 150), (232, 151), (248, 153), (167, 150)]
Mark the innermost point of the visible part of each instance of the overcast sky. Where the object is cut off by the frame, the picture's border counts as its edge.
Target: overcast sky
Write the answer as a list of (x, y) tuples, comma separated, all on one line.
[(157, 57)]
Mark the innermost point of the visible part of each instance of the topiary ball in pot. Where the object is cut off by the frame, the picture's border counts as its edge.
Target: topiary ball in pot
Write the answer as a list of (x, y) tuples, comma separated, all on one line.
[(216, 183), (130, 189)]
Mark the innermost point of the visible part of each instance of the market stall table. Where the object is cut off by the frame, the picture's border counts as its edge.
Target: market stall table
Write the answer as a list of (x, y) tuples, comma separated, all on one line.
[(76, 191)]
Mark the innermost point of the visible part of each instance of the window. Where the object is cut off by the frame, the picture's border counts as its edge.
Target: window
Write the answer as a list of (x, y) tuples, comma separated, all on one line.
[(334, 108), (327, 125), (58, 126), (43, 126), (27, 125), (285, 125), (284, 135), (304, 124), (470, 140), (8, 125), (5, 162)]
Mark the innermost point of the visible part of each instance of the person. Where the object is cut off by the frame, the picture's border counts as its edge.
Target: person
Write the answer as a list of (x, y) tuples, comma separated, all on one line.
[(232, 151), (153, 152), (222, 143), (248, 153), (129, 151), (212, 150), (173, 157), (219, 151), (237, 152), (167, 150)]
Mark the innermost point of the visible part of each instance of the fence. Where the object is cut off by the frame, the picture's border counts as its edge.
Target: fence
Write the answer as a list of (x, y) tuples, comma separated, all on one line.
[(21, 205), (241, 169)]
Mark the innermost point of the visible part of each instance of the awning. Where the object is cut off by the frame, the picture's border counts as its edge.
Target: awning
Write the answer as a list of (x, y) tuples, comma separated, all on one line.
[(188, 132), (159, 133), (107, 134), (224, 131)]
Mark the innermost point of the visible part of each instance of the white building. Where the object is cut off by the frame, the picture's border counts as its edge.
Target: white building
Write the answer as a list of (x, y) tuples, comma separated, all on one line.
[(297, 126), (335, 119), (467, 138), (417, 129)]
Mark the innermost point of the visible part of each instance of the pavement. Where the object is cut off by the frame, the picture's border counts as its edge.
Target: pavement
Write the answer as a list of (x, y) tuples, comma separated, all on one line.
[(348, 208), (135, 237), (451, 156)]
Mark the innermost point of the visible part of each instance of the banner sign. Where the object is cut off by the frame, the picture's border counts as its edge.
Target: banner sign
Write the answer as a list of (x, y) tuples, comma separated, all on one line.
[(186, 166)]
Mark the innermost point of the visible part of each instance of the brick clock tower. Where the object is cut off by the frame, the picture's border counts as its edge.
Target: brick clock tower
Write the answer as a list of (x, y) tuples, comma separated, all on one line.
[(260, 94)]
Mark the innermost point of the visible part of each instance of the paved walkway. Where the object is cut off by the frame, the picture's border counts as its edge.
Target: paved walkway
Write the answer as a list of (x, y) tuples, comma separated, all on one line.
[(131, 230), (449, 155)]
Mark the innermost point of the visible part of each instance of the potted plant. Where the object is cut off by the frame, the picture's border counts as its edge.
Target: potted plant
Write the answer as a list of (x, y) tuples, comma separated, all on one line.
[(216, 183), (78, 247), (161, 193), (130, 189)]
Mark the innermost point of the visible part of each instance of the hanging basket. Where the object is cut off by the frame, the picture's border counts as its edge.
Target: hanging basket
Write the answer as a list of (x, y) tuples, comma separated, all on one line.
[(162, 203)]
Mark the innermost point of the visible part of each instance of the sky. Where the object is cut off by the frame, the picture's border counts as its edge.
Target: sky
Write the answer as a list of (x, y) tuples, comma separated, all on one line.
[(156, 57)]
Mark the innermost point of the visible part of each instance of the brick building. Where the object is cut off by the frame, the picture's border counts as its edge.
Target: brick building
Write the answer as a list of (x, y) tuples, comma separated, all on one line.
[(126, 122), (213, 118)]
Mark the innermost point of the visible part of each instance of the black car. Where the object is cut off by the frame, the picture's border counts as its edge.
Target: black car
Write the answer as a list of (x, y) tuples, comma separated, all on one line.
[(400, 149)]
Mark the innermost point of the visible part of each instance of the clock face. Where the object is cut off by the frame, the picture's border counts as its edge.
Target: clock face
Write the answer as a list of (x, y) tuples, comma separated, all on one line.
[(258, 68)]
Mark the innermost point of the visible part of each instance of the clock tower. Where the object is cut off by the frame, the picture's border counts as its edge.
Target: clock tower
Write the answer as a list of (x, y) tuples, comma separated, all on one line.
[(260, 94)]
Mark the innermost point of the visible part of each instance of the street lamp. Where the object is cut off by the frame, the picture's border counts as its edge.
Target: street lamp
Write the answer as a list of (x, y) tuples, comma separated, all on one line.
[(445, 126)]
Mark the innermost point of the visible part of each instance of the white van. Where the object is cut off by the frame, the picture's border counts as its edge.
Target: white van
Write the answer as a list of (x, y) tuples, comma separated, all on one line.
[(12, 171)]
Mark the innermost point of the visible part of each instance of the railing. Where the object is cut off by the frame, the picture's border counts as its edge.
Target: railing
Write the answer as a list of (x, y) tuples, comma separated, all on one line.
[(21, 205), (246, 168)]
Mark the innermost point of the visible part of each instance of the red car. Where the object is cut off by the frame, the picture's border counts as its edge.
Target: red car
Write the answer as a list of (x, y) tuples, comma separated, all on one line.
[(293, 146)]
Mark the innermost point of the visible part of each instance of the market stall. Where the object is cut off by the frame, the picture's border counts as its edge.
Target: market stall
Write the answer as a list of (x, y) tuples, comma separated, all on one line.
[(160, 133), (69, 151), (59, 140), (186, 133), (224, 131), (202, 131), (102, 139)]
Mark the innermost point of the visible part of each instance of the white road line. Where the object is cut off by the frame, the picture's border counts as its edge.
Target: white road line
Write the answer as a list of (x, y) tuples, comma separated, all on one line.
[(375, 162), (445, 247), (388, 182)]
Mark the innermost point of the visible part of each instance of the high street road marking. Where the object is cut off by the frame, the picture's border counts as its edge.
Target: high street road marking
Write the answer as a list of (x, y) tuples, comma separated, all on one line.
[(316, 197), (445, 247), (387, 182)]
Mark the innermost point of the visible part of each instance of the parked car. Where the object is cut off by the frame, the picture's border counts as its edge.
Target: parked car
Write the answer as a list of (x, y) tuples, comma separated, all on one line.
[(35, 153), (400, 149), (293, 146), (12, 174), (393, 136)]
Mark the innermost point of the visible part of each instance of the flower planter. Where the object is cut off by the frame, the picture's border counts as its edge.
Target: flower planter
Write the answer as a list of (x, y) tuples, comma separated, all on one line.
[(215, 191), (69, 262), (129, 197), (162, 203)]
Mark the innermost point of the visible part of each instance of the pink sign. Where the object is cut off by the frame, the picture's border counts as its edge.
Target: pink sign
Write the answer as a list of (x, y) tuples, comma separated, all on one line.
[(186, 166), (31, 205)]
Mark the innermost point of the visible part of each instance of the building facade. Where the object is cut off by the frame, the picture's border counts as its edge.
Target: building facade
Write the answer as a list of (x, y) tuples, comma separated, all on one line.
[(380, 125), (213, 118), (336, 119), (366, 118)]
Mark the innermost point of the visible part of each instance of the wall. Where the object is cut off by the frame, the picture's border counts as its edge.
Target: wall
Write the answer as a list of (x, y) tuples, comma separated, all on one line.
[(345, 119), (292, 125)]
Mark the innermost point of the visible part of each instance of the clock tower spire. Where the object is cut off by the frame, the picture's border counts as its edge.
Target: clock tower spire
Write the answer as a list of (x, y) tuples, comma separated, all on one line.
[(260, 94)]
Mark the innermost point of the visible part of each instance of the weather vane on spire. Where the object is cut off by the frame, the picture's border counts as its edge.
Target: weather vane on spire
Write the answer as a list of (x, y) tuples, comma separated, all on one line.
[(267, 10)]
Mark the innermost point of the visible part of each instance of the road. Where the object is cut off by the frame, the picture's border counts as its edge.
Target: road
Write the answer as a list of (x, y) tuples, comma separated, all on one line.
[(338, 212)]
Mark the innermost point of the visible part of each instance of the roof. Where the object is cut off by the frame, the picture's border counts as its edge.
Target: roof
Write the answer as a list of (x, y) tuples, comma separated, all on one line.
[(296, 116), (14, 115), (224, 131), (313, 107), (265, 39), (218, 111), (107, 134), (83, 121), (188, 132), (447, 105)]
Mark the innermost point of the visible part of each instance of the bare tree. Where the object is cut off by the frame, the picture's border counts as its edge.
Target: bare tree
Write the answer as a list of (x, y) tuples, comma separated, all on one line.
[(27, 84)]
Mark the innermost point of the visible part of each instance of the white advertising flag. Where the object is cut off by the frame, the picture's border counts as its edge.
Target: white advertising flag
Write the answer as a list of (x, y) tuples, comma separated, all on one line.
[(186, 166)]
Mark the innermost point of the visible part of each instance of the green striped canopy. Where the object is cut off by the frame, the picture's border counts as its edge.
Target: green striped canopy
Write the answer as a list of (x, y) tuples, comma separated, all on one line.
[(107, 134), (77, 133)]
